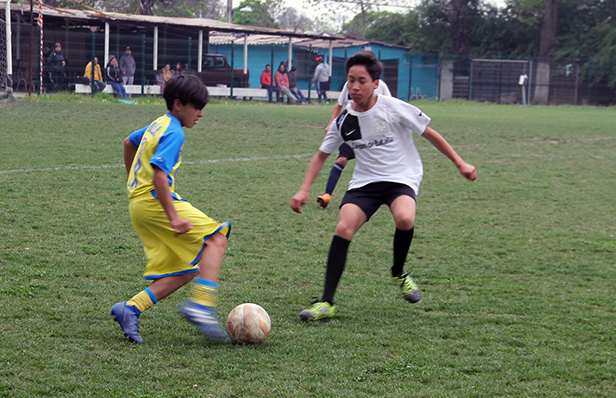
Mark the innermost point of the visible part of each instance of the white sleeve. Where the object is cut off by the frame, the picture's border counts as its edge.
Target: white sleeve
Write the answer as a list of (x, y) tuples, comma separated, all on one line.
[(344, 95), (382, 89), (332, 139), (409, 115)]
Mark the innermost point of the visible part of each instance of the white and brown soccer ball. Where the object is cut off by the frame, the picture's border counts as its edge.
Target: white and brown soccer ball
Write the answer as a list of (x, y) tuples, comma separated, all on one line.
[(248, 324)]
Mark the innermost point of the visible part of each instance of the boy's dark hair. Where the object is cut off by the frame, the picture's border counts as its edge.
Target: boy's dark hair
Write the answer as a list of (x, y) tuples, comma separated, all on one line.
[(188, 89), (367, 59)]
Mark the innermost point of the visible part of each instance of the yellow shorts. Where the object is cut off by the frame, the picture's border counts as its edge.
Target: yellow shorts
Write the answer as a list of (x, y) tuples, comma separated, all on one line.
[(168, 254)]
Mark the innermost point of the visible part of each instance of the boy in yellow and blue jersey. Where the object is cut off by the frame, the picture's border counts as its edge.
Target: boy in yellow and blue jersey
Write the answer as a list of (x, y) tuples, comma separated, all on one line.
[(181, 243)]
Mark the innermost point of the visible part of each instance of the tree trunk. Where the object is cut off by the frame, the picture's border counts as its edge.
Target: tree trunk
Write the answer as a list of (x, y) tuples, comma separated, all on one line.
[(145, 7), (547, 46)]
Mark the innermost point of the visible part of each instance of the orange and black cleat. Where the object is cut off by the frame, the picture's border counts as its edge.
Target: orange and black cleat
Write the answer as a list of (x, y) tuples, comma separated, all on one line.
[(324, 199)]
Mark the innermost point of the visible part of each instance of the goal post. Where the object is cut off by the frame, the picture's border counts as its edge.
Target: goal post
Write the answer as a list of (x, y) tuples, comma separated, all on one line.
[(6, 50)]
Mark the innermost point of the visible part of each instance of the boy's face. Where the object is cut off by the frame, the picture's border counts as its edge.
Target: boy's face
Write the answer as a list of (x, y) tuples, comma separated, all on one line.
[(360, 84), (187, 114)]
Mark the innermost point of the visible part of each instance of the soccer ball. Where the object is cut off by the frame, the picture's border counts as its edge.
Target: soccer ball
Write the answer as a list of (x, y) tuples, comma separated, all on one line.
[(248, 324)]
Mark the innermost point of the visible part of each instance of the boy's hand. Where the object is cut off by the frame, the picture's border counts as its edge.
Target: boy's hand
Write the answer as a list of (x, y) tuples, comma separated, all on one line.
[(181, 226), (468, 171), (298, 200)]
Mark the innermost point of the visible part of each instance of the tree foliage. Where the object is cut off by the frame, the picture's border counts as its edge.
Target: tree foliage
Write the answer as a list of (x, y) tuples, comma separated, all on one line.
[(263, 13)]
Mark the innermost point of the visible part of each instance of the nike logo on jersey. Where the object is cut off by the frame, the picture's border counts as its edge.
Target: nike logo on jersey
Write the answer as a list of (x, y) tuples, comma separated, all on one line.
[(348, 126)]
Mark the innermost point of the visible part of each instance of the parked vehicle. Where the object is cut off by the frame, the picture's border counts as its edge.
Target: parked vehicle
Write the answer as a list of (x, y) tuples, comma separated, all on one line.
[(216, 71)]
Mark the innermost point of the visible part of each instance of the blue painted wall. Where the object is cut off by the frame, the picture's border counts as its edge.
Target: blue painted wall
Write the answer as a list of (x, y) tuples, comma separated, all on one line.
[(422, 76)]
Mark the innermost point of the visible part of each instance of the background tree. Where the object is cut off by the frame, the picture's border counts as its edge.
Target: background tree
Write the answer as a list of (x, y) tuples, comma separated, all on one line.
[(264, 13), (291, 19)]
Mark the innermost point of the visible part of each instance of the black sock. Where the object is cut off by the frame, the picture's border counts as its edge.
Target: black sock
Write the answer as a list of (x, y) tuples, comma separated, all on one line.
[(336, 260), (402, 244)]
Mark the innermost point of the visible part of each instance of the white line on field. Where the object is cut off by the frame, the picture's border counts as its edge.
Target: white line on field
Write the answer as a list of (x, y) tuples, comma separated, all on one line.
[(248, 159)]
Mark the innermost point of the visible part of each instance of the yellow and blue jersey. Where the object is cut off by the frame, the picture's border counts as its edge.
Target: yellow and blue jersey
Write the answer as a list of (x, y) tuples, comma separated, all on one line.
[(160, 144)]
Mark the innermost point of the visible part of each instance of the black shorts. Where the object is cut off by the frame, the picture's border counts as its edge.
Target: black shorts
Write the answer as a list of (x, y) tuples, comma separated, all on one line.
[(370, 197), (345, 151)]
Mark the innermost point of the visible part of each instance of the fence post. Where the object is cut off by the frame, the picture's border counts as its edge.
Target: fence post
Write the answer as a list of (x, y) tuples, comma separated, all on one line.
[(189, 53), (93, 66), (142, 64), (470, 79), (271, 90), (410, 75), (589, 79), (310, 71), (232, 66)]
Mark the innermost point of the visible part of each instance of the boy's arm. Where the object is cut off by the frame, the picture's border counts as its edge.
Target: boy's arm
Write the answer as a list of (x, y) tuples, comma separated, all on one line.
[(466, 169), (129, 155), (335, 113), (161, 185), (315, 166)]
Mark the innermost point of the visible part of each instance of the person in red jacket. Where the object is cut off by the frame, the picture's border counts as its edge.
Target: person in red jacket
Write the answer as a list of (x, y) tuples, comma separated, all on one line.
[(282, 81), (266, 82)]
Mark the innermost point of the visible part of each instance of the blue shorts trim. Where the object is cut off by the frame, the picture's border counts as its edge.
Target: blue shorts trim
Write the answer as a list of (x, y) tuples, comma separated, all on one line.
[(222, 226), (153, 277)]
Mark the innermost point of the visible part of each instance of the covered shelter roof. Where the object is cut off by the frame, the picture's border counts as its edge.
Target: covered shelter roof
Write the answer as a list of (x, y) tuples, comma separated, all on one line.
[(93, 17)]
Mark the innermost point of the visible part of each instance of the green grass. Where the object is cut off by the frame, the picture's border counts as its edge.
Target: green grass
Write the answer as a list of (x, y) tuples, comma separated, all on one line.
[(517, 269)]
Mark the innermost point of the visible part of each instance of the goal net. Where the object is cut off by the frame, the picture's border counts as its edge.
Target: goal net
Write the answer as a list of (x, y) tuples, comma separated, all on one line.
[(3, 46)]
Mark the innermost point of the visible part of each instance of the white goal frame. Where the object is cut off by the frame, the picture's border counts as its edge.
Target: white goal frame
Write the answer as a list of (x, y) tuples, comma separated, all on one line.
[(9, 48)]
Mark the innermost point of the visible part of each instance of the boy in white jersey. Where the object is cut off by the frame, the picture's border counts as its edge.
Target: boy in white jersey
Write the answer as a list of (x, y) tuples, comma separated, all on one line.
[(181, 243), (388, 171), (345, 153)]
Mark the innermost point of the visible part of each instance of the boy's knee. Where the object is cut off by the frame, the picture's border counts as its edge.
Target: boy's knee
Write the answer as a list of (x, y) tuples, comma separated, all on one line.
[(217, 240), (405, 223)]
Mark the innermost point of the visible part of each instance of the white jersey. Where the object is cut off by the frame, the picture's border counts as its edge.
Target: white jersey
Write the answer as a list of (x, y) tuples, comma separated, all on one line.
[(382, 138), (345, 98)]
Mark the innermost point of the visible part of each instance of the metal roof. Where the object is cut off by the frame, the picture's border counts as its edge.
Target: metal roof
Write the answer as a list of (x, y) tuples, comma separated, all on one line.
[(211, 24)]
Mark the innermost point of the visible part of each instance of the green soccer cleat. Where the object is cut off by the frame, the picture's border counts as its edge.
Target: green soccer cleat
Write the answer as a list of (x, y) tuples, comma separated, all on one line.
[(409, 289), (319, 310)]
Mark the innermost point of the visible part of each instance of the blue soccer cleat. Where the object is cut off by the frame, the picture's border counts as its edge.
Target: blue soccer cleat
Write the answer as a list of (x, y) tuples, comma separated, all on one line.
[(128, 318), (206, 319)]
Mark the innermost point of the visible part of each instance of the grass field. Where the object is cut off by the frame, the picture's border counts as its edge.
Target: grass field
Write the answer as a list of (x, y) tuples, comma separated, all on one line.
[(517, 269)]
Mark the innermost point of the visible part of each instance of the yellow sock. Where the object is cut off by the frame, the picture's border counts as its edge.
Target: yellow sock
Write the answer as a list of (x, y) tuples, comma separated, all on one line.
[(204, 292), (143, 300)]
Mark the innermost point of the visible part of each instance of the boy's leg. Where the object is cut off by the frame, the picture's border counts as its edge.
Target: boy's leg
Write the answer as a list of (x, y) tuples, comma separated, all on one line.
[(345, 153), (352, 217), (200, 309), (127, 313), (403, 209)]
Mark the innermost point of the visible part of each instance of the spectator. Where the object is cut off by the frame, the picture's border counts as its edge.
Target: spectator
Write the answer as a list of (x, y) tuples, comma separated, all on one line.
[(128, 67), (97, 84), (178, 70), (266, 82), (55, 68), (321, 77), (293, 86), (167, 74), (282, 81), (114, 77)]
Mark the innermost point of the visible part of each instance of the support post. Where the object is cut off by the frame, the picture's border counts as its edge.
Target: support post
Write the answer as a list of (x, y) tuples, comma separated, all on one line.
[(155, 59), (200, 52), (107, 45), (93, 66), (142, 64)]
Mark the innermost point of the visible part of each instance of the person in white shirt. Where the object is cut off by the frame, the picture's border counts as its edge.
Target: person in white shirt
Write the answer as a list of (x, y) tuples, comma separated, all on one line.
[(345, 153), (388, 171)]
